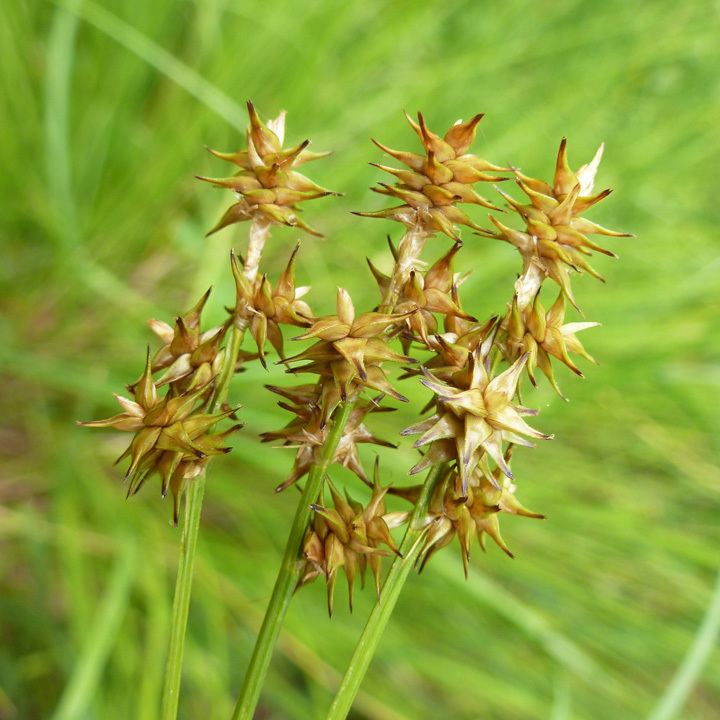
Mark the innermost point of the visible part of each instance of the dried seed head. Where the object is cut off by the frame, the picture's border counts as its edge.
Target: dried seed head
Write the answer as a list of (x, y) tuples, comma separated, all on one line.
[(189, 356), (350, 350), (474, 421), (172, 435), (264, 308), (470, 512), (542, 335), (426, 295), (555, 239), (267, 186), (308, 432), (437, 181), (347, 536)]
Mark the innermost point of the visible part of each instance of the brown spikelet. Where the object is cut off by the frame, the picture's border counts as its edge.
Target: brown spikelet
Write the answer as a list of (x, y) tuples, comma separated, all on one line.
[(437, 181), (268, 186)]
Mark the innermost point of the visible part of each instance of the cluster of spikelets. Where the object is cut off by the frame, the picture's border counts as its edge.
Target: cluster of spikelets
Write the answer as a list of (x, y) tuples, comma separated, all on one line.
[(173, 434), (474, 416), (349, 536), (435, 182), (268, 185)]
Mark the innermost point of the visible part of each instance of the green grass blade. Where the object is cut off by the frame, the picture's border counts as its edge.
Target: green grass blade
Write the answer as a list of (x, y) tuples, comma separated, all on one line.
[(162, 60), (556, 645), (85, 678), (682, 684), (61, 50)]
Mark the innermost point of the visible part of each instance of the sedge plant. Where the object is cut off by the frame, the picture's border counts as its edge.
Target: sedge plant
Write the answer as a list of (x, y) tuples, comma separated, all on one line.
[(350, 367)]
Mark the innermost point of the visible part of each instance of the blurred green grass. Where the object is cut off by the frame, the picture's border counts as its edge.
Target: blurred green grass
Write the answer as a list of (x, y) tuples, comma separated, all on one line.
[(106, 109)]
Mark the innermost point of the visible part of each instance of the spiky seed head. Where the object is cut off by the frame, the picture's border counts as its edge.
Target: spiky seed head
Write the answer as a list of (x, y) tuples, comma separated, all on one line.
[(267, 186), (470, 512), (437, 181), (543, 335), (555, 240), (347, 536), (172, 435)]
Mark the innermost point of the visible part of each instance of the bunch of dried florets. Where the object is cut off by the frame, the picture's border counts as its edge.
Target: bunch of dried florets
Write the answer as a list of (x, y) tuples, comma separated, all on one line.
[(475, 417), (174, 434)]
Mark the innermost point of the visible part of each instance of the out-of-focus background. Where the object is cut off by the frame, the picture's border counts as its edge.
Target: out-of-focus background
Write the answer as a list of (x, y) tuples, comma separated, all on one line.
[(611, 607)]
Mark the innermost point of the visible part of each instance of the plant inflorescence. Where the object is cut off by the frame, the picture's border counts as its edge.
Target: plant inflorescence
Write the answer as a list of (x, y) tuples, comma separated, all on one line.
[(353, 361)]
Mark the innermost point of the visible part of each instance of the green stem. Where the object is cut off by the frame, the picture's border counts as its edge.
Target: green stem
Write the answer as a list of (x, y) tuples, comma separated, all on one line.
[(181, 603), (228, 370), (289, 573), (188, 545), (380, 615), (259, 230)]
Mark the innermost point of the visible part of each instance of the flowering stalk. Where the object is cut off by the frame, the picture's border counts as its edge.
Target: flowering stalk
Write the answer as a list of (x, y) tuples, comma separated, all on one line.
[(174, 434), (476, 421), (193, 510), (293, 564), (290, 569)]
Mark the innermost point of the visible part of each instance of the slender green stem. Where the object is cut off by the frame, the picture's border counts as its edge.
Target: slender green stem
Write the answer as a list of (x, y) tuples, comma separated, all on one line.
[(193, 505), (188, 544), (181, 603), (380, 615), (289, 573), (228, 369)]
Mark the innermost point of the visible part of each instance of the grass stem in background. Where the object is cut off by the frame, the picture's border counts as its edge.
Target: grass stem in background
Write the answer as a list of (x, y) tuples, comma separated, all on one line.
[(85, 679), (690, 670)]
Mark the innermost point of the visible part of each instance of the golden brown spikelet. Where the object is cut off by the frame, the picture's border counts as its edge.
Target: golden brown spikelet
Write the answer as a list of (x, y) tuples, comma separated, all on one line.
[(469, 513), (308, 431), (268, 187), (173, 436), (555, 239), (544, 334), (428, 295), (473, 421), (350, 349), (347, 536), (264, 309), (436, 182), (189, 356)]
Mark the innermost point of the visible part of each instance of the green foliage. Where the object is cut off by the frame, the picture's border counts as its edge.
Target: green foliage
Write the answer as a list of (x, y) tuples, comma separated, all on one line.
[(106, 109)]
